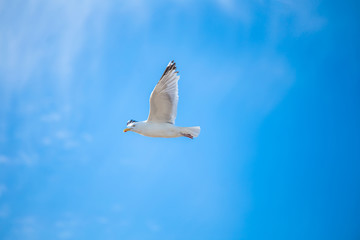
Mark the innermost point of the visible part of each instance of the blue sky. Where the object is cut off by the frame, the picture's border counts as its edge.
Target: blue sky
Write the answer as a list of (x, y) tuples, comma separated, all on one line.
[(273, 84)]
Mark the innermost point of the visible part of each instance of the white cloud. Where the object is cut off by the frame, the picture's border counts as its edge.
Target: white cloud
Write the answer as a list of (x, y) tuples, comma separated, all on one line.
[(241, 10), (54, 31), (306, 19), (45, 32)]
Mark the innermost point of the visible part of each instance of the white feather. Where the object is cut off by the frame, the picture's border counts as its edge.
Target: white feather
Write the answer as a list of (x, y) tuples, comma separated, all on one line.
[(164, 98)]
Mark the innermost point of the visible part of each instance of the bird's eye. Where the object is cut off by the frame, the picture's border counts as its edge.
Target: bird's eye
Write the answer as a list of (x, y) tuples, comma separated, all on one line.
[(134, 125)]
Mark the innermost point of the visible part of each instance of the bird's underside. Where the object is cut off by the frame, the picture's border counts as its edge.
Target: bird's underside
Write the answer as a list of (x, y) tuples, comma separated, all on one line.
[(166, 130)]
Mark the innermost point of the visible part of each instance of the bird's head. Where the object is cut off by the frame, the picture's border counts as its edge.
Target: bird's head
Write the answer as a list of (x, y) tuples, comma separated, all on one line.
[(130, 126)]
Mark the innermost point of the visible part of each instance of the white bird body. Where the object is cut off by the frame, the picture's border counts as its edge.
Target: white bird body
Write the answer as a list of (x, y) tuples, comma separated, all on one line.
[(163, 105), (165, 130)]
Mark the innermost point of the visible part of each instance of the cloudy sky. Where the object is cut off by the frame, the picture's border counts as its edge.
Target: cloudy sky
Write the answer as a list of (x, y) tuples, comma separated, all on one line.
[(274, 85)]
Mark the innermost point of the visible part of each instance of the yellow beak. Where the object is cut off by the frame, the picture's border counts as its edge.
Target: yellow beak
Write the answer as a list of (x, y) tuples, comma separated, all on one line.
[(127, 129)]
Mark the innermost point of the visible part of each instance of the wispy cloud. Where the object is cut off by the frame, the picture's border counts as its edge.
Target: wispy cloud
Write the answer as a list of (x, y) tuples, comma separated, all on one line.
[(241, 10), (301, 15), (54, 32), (44, 32), (67, 225), (271, 77), (27, 158), (26, 227), (307, 19)]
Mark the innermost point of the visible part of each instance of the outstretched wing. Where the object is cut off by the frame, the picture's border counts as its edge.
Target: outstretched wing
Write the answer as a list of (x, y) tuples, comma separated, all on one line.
[(164, 98)]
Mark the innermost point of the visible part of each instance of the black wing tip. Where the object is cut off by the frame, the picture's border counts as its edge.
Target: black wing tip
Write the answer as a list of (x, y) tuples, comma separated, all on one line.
[(171, 66)]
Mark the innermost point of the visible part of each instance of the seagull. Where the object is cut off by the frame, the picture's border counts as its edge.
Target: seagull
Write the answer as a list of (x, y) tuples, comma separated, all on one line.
[(163, 104)]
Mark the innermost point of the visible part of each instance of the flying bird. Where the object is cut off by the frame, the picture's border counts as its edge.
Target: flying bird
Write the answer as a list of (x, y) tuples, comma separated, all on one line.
[(163, 105)]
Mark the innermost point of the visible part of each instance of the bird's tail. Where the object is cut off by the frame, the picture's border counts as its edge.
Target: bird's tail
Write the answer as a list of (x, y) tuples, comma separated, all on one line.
[(193, 131)]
